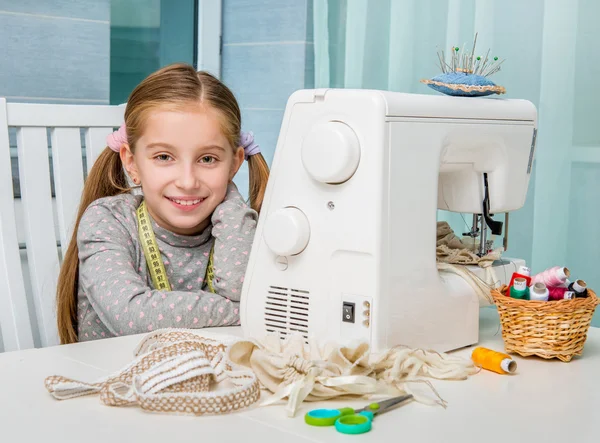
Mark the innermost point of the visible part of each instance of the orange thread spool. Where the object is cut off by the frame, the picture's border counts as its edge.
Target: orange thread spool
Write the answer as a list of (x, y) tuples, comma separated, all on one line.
[(494, 361)]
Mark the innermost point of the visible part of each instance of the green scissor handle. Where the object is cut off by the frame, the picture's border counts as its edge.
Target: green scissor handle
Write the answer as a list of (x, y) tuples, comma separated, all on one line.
[(326, 417)]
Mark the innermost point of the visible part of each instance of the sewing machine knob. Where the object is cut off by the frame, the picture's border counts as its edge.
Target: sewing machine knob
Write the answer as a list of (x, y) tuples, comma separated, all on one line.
[(287, 231), (331, 152)]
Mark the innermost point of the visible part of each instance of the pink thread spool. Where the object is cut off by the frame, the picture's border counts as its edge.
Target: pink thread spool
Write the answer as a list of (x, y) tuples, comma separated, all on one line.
[(557, 293), (560, 294), (553, 277)]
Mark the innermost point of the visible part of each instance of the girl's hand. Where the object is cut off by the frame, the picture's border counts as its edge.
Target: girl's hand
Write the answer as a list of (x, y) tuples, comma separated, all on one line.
[(234, 226)]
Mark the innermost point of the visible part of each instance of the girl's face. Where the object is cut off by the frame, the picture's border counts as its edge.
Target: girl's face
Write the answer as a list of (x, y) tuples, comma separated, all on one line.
[(184, 164)]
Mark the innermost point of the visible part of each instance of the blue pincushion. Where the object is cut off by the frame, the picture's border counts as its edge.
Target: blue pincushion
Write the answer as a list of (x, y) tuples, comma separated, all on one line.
[(465, 75), (464, 85)]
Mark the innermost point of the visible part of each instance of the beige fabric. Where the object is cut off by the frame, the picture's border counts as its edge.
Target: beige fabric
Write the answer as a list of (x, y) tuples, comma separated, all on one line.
[(446, 254), (175, 371), (450, 249), (445, 236), (453, 255), (300, 372)]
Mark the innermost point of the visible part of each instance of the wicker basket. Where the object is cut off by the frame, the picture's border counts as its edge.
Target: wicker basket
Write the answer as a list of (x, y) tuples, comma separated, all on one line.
[(548, 329)]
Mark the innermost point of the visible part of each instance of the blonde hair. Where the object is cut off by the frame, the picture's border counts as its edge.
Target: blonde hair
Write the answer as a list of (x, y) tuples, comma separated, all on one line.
[(177, 86)]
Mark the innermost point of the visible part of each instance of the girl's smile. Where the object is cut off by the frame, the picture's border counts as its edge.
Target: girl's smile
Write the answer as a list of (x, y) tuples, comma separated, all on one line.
[(186, 203)]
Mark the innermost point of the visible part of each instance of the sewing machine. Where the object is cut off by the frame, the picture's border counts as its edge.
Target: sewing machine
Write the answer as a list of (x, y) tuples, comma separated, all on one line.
[(345, 247)]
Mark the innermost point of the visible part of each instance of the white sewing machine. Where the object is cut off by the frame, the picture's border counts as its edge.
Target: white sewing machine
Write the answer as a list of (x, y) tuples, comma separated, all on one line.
[(345, 247)]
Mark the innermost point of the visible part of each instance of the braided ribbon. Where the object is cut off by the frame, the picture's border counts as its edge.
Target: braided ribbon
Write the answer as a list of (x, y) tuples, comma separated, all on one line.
[(173, 372)]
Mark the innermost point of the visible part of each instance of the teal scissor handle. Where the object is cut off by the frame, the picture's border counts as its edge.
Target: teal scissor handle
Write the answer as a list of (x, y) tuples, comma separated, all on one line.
[(326, 417), (355, 423)]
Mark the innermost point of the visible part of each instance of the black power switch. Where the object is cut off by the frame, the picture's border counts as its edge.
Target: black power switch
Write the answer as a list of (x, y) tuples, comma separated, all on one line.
[(348, 312)]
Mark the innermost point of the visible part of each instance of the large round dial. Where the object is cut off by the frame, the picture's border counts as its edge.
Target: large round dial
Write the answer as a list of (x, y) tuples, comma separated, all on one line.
[(331, 152), (287, 231)]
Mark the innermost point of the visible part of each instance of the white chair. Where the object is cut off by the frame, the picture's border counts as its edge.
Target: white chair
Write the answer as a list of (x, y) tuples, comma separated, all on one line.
[(39, 210)]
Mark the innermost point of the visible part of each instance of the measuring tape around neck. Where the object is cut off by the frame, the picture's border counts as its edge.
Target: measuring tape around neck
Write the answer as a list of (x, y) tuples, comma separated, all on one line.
[(152, 253), (210, 272)]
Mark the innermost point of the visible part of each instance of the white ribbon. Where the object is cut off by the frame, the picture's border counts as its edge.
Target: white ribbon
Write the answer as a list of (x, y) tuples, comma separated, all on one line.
[(481, 288), (297, 391)]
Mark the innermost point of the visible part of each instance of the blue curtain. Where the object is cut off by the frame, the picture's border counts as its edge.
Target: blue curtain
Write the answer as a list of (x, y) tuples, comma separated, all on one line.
[(551, 53)]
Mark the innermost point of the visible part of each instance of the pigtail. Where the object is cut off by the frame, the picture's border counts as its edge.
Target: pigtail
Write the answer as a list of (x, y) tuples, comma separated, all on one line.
[(259, 175), (106, 178)]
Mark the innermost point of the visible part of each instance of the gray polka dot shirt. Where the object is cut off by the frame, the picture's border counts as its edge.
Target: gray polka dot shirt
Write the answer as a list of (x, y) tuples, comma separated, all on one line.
[(116, 294)]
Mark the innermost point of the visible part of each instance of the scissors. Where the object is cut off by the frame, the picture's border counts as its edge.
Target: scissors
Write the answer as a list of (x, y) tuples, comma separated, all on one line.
[(352, 421)]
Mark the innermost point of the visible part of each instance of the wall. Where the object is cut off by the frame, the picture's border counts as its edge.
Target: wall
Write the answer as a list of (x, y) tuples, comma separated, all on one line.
[(55, 51), (267, 55)]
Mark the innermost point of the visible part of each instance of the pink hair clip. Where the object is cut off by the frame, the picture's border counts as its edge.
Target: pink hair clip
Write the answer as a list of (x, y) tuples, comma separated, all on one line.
[(117, 139)]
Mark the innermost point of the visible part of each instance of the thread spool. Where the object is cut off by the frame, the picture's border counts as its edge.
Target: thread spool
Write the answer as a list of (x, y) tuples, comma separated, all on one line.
[(556, 293), (519, 289), (493, 361), (569, 295), (524, 272), (579, 287), (552, 277), (539, 292)]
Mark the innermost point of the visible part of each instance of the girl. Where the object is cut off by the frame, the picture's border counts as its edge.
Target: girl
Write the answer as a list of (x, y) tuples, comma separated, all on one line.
[(176, 255)]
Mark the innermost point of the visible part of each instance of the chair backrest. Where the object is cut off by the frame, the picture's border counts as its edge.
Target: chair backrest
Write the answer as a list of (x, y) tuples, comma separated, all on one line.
[(47, 222)]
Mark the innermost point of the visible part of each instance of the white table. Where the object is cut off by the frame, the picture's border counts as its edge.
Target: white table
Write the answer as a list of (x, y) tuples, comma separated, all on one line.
[(546, 401)]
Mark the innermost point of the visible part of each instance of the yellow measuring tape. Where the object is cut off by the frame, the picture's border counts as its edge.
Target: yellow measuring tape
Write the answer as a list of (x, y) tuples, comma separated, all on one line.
[(152, 254), (210, 272), (153, 259)]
